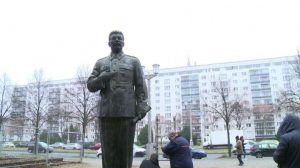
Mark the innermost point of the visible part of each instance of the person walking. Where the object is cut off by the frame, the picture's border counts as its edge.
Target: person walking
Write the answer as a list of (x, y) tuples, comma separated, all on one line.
[(179, 152), (239, 150), (287, 154), (243, 146), (151, 163)]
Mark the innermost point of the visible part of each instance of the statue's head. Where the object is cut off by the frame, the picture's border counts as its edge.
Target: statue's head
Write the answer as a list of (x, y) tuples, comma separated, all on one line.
[(116, 41)]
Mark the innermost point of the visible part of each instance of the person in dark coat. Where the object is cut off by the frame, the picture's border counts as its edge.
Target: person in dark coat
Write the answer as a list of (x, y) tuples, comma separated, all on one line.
[(287, 154), (151, 163), (179, 152), (239, 150), (243, 145)]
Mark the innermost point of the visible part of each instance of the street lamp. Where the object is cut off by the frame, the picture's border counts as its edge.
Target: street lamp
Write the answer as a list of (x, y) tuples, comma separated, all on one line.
[(188, 105), (149, 77), (191, 128)]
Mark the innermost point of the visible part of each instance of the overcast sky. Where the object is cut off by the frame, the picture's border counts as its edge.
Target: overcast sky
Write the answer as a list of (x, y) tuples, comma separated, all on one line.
[(61, 35)]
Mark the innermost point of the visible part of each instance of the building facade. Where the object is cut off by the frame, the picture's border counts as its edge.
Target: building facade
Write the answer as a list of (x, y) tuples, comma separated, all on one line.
[(179, 97), (60, 106), (188, 90)]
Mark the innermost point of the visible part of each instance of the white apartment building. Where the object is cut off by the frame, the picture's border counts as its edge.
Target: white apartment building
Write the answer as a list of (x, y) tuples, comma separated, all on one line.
[(182, 91), (20, 128), (179, 96)]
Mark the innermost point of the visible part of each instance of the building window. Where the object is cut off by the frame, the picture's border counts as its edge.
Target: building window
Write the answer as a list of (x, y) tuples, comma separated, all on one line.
[(167, 87), (287, 85), (167, 101), (223, 76), (167, 81), (167, 94)]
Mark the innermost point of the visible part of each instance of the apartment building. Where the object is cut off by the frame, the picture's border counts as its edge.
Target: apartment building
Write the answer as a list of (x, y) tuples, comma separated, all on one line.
[(56, 111), (179, 97), (255, 83)]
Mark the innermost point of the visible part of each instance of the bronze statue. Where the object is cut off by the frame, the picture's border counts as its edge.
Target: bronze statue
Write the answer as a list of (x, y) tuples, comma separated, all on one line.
[(123, 91)]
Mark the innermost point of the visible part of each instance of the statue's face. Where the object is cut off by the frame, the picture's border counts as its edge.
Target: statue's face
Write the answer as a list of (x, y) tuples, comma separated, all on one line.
[(116, 42)]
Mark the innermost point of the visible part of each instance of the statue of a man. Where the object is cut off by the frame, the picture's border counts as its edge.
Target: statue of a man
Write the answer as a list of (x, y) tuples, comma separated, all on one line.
[(123, 91)]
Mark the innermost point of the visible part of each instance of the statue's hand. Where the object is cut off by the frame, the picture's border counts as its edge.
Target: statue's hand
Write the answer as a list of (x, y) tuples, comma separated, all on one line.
[(107, 75)]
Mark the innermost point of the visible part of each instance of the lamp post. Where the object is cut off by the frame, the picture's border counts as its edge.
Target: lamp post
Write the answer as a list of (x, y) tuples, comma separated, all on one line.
[(191, 128), (148, 77), (68, 125), (189, 113)]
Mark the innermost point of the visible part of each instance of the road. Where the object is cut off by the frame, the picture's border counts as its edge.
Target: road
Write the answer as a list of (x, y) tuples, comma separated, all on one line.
[(212, 161)]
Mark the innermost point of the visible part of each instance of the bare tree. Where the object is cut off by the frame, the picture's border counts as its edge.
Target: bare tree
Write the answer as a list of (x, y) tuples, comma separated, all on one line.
[(83, 101), (240, 113), (296, 65), (221, 107), (289, 99), (37, 105), (5, 99)]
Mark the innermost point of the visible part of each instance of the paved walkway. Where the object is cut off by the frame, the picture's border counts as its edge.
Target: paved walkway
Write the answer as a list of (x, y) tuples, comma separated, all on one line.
[(210, 162)]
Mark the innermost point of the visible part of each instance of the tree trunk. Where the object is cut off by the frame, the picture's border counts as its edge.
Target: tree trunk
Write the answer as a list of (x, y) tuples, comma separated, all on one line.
[(228, 139)]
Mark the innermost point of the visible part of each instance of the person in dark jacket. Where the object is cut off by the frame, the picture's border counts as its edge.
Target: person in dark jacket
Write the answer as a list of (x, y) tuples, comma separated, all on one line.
[(287, 154), (243, 145), (151, 163), (178, 149)]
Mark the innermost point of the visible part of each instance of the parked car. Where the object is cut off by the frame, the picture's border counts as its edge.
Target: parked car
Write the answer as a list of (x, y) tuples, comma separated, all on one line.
[(95, 146), (8, 145), (270, 141), (72, 146), (22, 144), (42, 147), (248, 145), (138, 151), (99, 152), (263, 149), (196, 154), (57, 145)]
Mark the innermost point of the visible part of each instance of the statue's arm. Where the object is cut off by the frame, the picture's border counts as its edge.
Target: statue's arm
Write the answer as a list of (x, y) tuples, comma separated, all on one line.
[(140, 84), (95, 81), (141, 94)]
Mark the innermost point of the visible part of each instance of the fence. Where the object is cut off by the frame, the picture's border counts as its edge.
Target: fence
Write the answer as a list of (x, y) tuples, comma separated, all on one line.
[(19, 141)]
